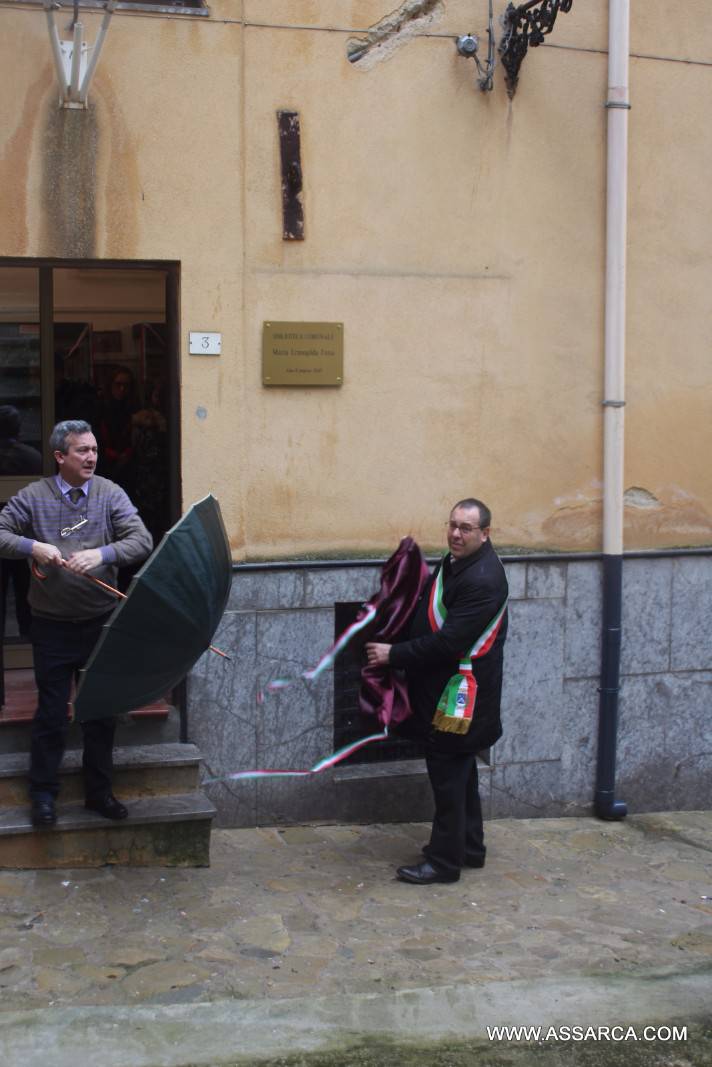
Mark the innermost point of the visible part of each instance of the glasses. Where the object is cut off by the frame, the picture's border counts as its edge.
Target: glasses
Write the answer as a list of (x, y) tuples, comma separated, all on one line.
[(464, 527)]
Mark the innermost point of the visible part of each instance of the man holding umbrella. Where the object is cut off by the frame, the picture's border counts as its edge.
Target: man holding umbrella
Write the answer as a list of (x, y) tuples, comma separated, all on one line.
[(70, 526)]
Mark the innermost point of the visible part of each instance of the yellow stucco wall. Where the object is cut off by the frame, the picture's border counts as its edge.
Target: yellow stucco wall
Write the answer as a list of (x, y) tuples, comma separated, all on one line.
[(459, 237)]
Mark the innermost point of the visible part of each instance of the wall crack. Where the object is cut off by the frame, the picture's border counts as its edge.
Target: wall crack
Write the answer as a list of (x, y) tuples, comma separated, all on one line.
[(410, 20)]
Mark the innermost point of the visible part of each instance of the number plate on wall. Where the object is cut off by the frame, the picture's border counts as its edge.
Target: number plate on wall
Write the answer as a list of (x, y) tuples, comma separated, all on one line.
[(204, 344)]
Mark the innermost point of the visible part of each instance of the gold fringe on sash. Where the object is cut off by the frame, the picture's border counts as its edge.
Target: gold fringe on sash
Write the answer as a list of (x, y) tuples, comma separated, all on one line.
[(450, 724)]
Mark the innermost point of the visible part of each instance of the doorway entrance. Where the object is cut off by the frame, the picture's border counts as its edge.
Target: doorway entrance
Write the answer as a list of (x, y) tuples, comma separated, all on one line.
[(93, 341)]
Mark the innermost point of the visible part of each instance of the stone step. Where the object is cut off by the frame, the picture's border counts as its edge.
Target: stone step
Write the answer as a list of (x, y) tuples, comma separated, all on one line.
[(140, 771), (135, 728), (163, 831)]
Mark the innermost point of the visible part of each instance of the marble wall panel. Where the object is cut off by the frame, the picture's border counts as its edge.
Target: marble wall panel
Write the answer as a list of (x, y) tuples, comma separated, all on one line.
[(583, 621), (579, 731), (527, 790), (324, 588), (485, 777), (648, 785), (688, 742), (647, 601), (289, 642), (221, 717), (691, 783), (643, 765), (691, 600), (295, 726), (236, 803), (263, 590), (517, 580), (532, 690), (292, 801), (546, 580), (225, 689), (663, 746), (645, 705)]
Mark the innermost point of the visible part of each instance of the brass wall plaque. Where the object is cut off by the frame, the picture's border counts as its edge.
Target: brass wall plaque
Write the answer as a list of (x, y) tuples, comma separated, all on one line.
[(302, 353)]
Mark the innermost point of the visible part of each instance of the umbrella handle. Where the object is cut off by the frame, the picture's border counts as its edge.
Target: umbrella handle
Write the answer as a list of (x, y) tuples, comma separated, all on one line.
[(110, 589), (97, 581)]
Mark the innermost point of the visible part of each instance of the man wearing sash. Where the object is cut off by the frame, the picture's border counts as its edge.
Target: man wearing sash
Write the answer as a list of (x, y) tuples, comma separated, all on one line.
[(452, 659)]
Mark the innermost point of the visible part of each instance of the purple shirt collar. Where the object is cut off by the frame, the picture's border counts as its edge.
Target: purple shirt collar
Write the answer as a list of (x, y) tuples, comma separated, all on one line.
[(64, 488)]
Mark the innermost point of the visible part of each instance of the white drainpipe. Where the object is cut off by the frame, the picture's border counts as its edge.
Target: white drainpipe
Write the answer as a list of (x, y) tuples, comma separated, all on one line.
[(616, 223)]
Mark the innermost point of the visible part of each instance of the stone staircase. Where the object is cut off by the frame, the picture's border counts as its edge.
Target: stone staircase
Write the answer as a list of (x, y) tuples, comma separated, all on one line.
[(169, 818)]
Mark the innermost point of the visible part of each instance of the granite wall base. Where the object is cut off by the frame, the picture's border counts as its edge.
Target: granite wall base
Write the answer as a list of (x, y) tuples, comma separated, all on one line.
[(278, 623)]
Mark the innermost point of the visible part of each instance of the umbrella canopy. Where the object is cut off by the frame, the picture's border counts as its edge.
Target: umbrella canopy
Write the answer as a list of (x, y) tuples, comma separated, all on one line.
[(167, 621)]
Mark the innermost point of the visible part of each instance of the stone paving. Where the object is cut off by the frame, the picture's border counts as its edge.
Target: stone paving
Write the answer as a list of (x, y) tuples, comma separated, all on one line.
[(312, 911)]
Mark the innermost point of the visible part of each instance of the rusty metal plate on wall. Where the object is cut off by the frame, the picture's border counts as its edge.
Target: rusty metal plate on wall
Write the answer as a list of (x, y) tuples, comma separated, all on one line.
[(302, 353), (292, 191)]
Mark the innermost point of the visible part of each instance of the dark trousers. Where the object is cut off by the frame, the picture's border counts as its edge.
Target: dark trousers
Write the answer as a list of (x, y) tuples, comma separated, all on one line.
[(60, 649), (457, 833)]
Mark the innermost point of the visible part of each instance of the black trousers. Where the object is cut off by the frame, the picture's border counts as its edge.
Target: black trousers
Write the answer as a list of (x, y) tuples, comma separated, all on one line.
[(457, 833), (60, 649)]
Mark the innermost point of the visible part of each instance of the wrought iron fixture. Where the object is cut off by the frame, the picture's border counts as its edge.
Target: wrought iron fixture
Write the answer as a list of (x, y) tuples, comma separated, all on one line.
[(524, 25), (468, 44)]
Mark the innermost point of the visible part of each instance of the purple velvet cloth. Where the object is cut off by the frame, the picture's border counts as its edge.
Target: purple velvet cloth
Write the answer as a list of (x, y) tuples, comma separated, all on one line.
[(383, 690)]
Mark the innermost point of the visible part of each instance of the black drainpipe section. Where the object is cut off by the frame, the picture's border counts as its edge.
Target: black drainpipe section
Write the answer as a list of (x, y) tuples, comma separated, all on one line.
[(605, 804)]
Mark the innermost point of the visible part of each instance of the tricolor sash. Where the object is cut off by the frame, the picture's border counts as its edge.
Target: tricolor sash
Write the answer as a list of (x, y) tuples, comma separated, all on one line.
[(457, 702)]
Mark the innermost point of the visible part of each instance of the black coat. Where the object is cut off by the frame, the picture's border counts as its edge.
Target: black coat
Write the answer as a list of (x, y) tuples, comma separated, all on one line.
[(474, 589)]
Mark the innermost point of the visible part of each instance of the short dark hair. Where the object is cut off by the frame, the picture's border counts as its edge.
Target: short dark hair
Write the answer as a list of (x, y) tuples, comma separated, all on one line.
[(472, 502), (65, 429)]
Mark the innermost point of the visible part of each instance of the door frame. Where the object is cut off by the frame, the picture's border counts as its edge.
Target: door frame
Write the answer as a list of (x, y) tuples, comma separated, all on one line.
[(172, 306), (46, 266)]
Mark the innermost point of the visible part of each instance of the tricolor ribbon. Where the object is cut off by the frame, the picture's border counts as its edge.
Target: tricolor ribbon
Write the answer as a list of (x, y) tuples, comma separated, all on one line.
[(327, 660), (322, 765), (367, 614)]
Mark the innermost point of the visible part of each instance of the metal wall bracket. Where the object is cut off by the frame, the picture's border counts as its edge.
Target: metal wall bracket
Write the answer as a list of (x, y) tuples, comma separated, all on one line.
[(75, 61), (468, 45), (290, 156), (524, 25)]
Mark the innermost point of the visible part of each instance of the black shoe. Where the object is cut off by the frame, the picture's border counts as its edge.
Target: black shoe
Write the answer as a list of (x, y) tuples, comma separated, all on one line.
[(43, 811), (108, 806), (425, 874)]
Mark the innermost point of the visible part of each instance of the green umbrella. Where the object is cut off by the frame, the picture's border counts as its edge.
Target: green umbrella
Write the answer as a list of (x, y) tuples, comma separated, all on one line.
[(165, 623)]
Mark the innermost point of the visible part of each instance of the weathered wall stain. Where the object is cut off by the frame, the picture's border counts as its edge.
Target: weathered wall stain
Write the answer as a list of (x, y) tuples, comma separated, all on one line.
[(91, 189), (668, 516), (119, 193), (15, 170), (635, 497), (69, 151)]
